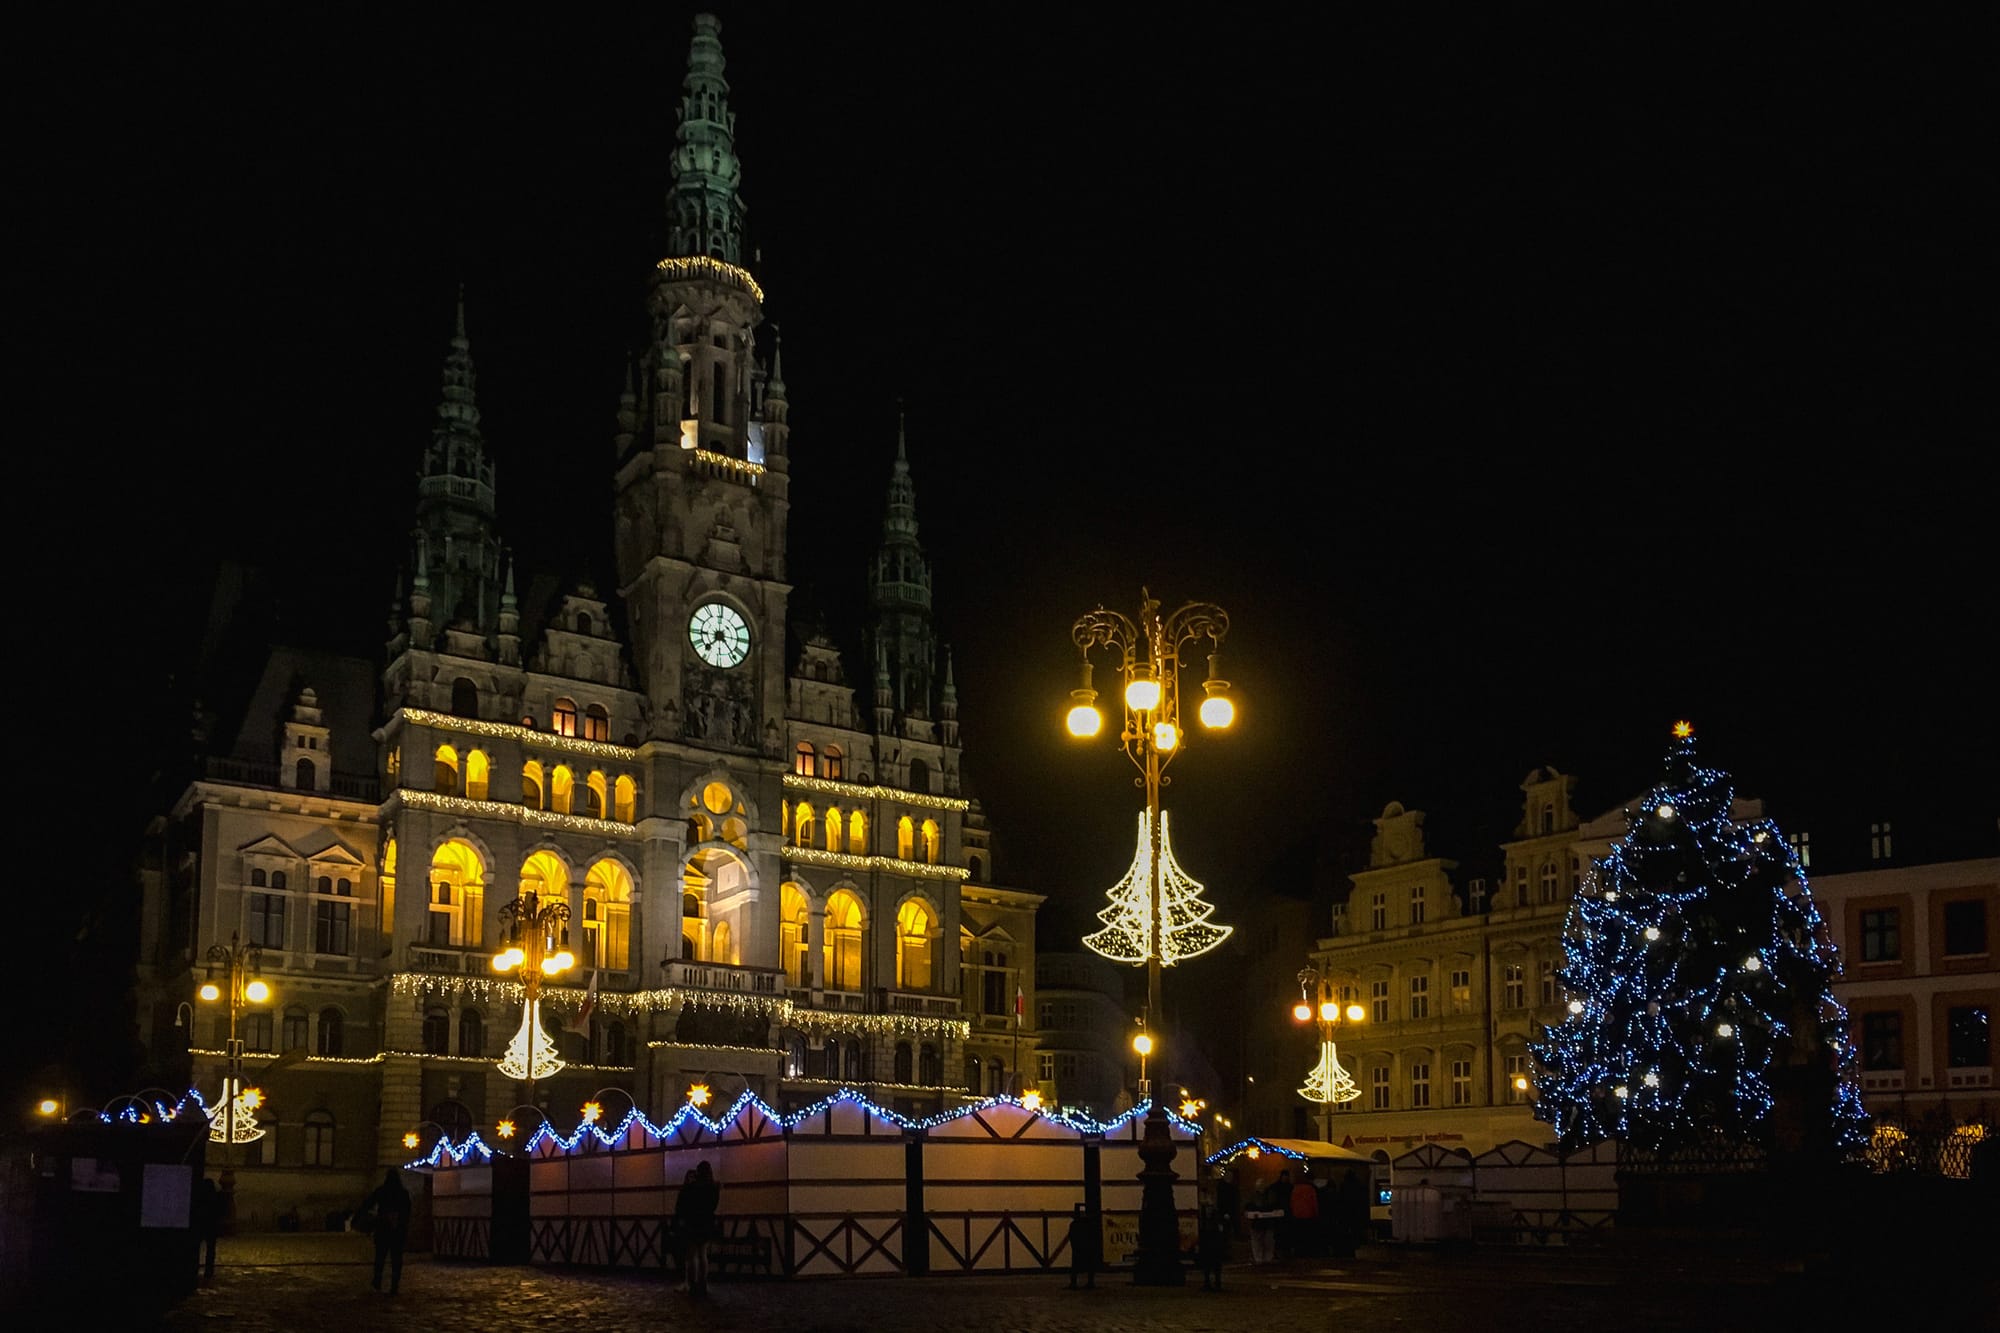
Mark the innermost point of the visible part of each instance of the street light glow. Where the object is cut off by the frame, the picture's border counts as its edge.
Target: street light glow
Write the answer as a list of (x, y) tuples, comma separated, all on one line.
[(210, 991), (1085, 721), (256, 992), (1142, 692)]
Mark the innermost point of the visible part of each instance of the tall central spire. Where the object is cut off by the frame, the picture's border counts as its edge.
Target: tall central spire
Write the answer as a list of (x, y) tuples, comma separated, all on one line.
[(704, 212)]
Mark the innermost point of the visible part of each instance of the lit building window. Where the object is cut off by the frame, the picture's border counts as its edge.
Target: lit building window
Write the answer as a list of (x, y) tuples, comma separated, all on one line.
[(806, 822), (793, 924), (607, 916), (476, 775), (1879, 845), (1802, 848), (829, 762), (1461, 991), (596, 723), (531, 785), (1516, 1069), (444, 771), (562, 789), (843, 941), (802, 763), (834, 828), (562, 717), (625, 800), (857, 834), (906, 838)]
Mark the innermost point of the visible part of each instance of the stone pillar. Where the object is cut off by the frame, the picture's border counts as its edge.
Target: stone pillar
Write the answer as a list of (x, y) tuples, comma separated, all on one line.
[(815, 949), (402, 1107)]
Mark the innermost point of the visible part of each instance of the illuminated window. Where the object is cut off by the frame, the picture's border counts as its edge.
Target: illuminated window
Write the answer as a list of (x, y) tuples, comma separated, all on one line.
[(332, 1032), (1549, 882), (807, 824), (1965, 928), (444, 772), (1420, 1084), (1461, 1082), (857, 834), (471, 1033), (562, 789), (1420, 997), (842, 950), (1378, 999), (1379, 1087), (1881, 936), (607, 916), (458, 887), (1461, 991), (319, 1138), (531, 785), (1882, 1040), (476, 775), (829, 763), (385, 881), (1517, 1067), (595, 796), (1416, 904), (933, 842), (625, 800), (802, 763), (1802, 848), (834, 827), (793, 925), (906, 838), (1513, 987), (1880, 847), (596, 723), (913, 946), (562, 718)]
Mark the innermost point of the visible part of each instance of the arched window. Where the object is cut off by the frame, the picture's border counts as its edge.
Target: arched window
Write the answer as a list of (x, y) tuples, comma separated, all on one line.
[(855, 1068), (792, 928), (332, 1031), (464, 698), (842, 951), (793, 1043), (833, 830), (292, 1032), (693, 922), (562, 718), (595, 797), (444, 771), (905, 1060), (722, 945), (476, 774), (625, 800), (256, 877), (829, 762), (596, 723), (933, 842), (972, 1072), (607, 916), (324, 884), (278, 879), (544, 875), (906, 838), (1548, 819), (344, 888), (583, 623), (913, 946), (531, 785), (803, 764), (471, 1032), (930, 1069), (319, 1138), (996, 1077), (857, 834), (437, 1030), (920, 775), (807, 824), (305, 777), (458, 897), (562, 789)]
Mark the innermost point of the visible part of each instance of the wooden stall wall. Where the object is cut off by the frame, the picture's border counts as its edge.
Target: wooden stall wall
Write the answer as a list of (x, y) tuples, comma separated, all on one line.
[(999, 1185), (1119, 1162), (849, 1197)]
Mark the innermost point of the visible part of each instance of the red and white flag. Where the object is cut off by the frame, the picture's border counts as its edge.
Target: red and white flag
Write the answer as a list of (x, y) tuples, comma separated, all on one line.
[(1020, 1006), (581, 1023)]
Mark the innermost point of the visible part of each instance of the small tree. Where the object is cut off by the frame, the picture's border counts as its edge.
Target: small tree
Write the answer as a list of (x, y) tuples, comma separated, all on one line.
[(1699, 975)]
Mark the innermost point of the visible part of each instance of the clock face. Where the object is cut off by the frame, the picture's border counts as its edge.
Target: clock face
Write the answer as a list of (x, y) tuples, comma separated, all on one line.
[(719, 634)]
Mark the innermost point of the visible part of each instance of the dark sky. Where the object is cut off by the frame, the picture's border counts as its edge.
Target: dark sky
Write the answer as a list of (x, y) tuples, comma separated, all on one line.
[(1519, 383)]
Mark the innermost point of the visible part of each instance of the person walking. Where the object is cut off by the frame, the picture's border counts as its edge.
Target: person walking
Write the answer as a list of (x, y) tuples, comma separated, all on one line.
[(706, 1198), (1086, 1246), (390, 1205), (684, 1205), (207, 1219)]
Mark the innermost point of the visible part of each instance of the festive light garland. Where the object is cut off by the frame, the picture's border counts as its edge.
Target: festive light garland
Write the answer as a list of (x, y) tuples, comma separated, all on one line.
[(1185, 930), (519, 814), (1253, 1146), (741, 465), (1328, 1083), (818, 856), (1698, 967), (423, 717), (705, 266), (862, 792)]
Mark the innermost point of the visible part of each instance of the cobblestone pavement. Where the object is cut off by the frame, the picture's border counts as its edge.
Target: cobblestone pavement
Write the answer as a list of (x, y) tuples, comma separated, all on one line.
[(304, 1283)]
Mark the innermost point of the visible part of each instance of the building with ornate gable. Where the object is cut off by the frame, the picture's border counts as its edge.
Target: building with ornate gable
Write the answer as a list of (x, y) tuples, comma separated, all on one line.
[(771, 864)]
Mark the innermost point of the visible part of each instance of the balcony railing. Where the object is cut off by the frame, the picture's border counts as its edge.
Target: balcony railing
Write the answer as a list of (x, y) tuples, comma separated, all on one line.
[(447, 958), (347, 786), (923, 1005), (722, 977)]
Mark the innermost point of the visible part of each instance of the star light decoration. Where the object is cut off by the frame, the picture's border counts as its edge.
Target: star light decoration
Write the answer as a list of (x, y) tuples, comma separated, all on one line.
[(532, 1053), (1185, 930)]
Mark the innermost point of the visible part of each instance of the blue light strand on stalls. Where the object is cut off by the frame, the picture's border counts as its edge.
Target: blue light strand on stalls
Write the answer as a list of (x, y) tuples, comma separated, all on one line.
[(133, 1115), (569, 1143), (1224, 1156)]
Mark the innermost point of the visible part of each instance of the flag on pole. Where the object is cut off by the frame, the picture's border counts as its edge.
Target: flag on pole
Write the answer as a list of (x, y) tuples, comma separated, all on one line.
[(1020, 1005), (581, 1023)]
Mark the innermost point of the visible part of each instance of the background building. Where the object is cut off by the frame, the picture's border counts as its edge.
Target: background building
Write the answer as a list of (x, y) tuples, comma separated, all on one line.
[(1086, 1025), (764, 851)]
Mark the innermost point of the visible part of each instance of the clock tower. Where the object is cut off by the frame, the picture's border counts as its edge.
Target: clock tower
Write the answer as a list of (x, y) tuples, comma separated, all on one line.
[(701, 479)]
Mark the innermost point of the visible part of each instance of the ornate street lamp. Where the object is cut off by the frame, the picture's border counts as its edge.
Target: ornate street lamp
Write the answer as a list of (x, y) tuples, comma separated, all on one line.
[(232, 978), (1153, 926), (537, 943), (1328, 1083)]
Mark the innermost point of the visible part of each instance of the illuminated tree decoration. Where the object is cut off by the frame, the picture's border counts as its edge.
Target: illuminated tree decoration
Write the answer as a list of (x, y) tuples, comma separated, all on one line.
[(1185, 930), (1700, 989), (1329, 1083), (246, 1129), (532, 1054)]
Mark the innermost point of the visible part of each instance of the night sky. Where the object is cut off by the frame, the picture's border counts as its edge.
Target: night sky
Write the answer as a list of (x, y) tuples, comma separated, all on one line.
[(1519, 384)]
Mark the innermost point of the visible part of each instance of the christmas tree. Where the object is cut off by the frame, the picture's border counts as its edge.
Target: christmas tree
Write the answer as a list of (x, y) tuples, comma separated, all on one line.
[(1700, 981), (1185, 930)]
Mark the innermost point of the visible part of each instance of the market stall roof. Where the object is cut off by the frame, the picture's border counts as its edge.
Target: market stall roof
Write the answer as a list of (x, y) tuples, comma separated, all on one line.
[(1311, 1149)]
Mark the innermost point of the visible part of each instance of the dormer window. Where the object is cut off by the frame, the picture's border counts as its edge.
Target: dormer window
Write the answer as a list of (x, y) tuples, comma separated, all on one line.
[(583, 625), (1879, 845)]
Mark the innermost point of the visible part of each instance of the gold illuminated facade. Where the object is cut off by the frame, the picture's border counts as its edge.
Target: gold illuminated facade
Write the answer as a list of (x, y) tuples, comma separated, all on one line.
[(772, 868)]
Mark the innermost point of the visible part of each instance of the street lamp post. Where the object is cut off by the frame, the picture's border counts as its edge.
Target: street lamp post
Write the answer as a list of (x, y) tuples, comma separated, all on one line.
[(537, 943), (232, 978), (1328, 1084), (1148, 654)]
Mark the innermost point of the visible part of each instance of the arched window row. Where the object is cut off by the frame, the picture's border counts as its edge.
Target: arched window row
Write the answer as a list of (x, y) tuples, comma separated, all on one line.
[(805, 825), (557, 788), (824, 762)]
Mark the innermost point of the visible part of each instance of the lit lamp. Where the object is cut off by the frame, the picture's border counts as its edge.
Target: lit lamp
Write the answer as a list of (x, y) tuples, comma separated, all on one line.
[(1149, 654), (537, 945), (1328, 1084), (231, 977)]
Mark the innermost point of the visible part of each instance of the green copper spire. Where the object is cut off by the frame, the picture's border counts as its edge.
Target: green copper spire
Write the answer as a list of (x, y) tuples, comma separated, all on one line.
[(704, 212)]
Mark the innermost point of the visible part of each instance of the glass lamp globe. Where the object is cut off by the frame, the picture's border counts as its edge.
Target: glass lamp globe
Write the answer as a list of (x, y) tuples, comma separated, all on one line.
[(1084, 721), (1142, 693), (1217, 711), (1302, 1011), (256, 992)]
